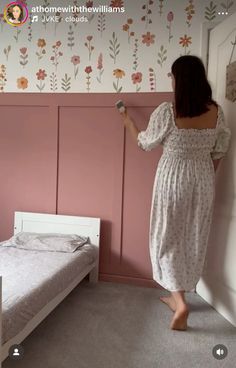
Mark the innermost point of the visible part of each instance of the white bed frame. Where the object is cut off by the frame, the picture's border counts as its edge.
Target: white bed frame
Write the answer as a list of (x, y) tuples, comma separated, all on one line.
[(47, 223)]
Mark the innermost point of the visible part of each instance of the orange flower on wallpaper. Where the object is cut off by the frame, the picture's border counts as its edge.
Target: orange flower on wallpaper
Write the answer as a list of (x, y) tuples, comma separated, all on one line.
[(185, 41), (117, 3), (22, 83), (148, 38), (41, 42), (118, 73)]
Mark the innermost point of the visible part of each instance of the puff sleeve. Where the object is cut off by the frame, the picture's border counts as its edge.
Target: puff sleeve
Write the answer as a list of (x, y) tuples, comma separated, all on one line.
[(158, 127), (223, 137)]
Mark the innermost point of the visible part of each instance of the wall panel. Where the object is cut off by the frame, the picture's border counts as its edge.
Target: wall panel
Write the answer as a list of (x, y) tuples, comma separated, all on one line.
[(67, 154), (28, 162)]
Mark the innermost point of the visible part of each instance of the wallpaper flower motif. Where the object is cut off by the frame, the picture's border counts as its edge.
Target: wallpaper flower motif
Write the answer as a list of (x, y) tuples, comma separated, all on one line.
[(41, 75), (7, 51), (137, 79), (3, 78), (147, 9), (41, 48), (121, 52), (101, 23), (185, 42), (23, 56), (75, 61), (189, 11), (88, 71), (89, 46), (210, 11), (56, 54), (170, 17), (22, 83), (126, 28), (119, 74), (100, 67), (148, 39), (152, 79)]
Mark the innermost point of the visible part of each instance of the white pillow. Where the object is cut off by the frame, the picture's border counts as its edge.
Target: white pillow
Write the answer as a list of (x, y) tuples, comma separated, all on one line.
[(46, 241)]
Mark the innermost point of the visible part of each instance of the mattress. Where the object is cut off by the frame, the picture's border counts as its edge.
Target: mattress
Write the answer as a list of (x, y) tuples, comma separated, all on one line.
[(31, 279)]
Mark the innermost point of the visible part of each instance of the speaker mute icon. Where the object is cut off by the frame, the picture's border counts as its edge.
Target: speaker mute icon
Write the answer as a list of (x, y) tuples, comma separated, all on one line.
[(220, 351)]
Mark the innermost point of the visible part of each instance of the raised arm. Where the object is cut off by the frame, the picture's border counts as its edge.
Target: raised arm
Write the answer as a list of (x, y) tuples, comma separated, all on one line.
[(130, 125)]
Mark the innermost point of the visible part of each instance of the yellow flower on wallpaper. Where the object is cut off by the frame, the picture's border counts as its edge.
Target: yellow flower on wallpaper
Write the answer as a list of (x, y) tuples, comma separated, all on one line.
[(118, 73), (22, 83)]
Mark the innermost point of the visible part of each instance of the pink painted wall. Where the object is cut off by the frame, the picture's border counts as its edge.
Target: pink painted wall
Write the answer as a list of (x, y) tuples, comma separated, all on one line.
[(70, 154)]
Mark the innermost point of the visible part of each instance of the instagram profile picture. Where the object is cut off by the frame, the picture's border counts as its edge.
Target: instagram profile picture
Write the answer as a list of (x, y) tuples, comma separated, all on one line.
[(16, 13)]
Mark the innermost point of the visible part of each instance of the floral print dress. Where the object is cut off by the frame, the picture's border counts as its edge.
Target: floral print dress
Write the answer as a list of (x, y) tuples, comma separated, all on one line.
[(183, 195)]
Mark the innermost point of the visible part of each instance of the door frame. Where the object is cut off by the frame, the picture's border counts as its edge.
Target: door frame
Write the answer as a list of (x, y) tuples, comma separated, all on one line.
[(206, 27)]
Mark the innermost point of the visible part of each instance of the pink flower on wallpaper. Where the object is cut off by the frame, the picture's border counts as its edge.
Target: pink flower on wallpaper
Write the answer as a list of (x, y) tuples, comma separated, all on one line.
[(23, 50), (170, 16), (41, 75), (100, 66), (75, 60), (88, 69), (148, 38), (137, 77)]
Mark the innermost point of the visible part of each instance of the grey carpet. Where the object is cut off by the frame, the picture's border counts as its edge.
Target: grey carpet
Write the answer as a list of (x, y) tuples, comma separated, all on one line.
[(113, 325)]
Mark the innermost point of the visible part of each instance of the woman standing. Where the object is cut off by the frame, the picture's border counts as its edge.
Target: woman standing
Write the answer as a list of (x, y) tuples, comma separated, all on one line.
[(195, 137)]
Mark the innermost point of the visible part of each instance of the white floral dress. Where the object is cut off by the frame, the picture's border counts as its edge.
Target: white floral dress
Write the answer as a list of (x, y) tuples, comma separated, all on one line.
[(183, 195)]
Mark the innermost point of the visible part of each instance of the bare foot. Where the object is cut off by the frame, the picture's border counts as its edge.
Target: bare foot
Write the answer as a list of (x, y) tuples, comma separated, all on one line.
[(169, 300), (179, 321)]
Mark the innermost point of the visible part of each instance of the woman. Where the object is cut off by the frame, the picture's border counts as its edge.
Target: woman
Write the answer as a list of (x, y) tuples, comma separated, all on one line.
[(195, 137), (15, 14)]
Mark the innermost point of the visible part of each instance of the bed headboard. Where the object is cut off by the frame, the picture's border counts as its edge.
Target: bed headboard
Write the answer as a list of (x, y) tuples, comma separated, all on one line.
[(48, 223)]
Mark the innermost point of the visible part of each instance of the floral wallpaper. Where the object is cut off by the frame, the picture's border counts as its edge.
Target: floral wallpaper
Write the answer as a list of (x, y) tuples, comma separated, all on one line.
[(130, 50)]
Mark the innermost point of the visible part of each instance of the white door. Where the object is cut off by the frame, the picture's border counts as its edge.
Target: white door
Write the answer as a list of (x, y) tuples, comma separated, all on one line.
[(218, 283)]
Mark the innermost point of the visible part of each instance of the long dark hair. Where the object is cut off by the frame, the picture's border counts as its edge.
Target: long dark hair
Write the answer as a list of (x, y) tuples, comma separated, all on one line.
[(10, 12), (192, 90)]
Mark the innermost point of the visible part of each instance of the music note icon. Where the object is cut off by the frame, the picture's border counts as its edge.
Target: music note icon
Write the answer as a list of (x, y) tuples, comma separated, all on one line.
[(35, 18)]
